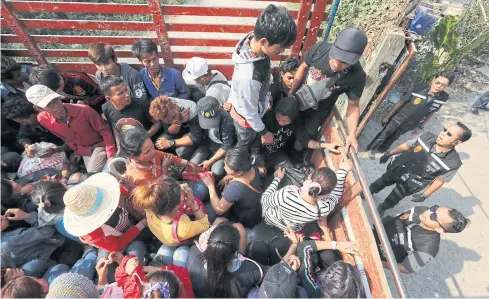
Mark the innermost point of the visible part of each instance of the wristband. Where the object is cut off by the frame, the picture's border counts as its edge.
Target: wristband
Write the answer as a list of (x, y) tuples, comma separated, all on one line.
[(333, 245)]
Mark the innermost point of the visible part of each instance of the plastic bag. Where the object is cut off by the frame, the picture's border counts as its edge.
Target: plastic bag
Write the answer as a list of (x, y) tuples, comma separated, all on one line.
[(57, 161)]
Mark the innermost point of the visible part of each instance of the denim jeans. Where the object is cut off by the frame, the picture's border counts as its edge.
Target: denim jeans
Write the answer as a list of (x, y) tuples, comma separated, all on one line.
[(246, 136), (84, 266), (136, 247), (168, 255), (206, 150), (36, 268)]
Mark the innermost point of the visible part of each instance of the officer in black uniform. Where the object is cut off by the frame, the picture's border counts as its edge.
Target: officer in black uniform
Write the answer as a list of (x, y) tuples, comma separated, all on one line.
[(413, 110), (427, 161), (415, 234)]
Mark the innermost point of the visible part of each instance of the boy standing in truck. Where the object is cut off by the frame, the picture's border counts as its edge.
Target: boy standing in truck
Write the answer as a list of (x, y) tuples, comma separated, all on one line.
[(274, 31), (103, 56)]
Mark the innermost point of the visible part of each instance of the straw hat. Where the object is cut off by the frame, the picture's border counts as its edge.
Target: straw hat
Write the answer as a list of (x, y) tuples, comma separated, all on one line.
[(90, 204)]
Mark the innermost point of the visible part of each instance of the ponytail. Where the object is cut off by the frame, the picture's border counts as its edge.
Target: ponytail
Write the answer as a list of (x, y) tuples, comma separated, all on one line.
[(223, 245), (160, 197), (323, 180)]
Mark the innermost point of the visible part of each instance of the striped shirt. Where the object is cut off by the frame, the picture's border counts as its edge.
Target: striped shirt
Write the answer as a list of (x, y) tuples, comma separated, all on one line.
[(286, 208)]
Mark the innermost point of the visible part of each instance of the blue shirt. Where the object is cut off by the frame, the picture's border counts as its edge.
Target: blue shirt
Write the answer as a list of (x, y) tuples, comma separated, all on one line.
[(172, 84)]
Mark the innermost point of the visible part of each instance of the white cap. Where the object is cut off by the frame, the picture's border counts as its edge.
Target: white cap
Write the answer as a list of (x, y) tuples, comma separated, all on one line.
[(40, 95), (196, 67)]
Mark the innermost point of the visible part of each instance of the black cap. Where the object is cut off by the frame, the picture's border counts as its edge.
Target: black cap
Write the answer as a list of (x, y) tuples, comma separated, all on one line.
[(288, 106), (280, 282), (349, 45), (209, 112)]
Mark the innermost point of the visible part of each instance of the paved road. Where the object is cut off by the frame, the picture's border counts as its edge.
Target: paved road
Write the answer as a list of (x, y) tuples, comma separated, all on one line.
[(461, 268)]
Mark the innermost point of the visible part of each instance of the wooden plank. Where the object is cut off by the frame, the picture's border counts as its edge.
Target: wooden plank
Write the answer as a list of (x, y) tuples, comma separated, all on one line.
[(316, 19), (387, 51), (89, 68), (159, 26), (85, 25), (80, 7), (120, 40), (22, 32), (302, 18)]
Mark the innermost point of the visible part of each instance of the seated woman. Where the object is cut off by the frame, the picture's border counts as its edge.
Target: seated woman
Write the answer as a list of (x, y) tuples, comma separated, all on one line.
[(218, 272), (240, 201), (294, 207), (145, 163), (93, 213), (162, 201), (339, 280)]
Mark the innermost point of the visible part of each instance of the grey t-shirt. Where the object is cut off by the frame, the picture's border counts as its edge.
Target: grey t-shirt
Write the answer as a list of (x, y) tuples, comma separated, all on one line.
[(218, 90)]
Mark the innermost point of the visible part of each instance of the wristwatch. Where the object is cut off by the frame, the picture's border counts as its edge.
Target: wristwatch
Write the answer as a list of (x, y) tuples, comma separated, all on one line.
[(172, 143)]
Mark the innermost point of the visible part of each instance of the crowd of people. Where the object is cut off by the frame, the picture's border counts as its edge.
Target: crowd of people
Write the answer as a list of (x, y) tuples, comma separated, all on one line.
[(160, 183)]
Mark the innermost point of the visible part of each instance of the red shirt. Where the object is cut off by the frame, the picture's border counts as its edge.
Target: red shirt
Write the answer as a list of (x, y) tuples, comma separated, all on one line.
[(83, 130)]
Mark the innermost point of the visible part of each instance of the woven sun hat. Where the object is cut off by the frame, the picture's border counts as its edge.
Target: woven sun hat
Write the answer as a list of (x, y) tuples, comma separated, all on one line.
[(72, 285), (90, 204)]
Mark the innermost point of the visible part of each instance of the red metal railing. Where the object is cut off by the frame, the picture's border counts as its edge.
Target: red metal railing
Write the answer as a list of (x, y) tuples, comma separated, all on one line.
[(171, 24)]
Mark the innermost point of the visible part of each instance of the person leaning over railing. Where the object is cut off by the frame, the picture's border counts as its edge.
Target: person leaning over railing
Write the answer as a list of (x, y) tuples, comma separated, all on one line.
[(294, 207)]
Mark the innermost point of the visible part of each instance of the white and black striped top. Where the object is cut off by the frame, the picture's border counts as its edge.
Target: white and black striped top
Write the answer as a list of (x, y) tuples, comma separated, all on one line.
[(285, 208)]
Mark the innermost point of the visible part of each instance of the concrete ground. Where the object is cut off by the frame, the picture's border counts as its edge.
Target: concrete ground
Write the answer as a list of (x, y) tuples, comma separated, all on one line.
[(461, 267)]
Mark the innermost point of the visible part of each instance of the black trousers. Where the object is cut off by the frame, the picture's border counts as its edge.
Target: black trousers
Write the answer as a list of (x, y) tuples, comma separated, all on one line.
[(400, 191), (390, 133)]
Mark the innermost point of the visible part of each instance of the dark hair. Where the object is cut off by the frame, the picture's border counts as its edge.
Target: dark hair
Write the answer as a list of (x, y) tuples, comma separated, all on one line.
[(326, 178), (8, 67), (7, 193), (22, 287), (222, 247), (239, 159), (17, 107), (290, 65), (449, 75), (160, 197), (52, 191), (131, 142), (276, 25), (100, 53), (460, 222), (340, 280), (164, 276), (466, 134), (108, 82), (143, 47), (45, 75)]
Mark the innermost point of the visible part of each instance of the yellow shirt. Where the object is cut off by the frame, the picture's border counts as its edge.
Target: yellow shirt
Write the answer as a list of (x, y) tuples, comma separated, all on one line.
[(186, 229)]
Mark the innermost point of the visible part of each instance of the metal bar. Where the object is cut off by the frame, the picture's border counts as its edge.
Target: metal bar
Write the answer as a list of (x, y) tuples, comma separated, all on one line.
[(384, 240), (331, 19), (22, 33), (316, 19), (411, 48), (160, 28), (302, 18)]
